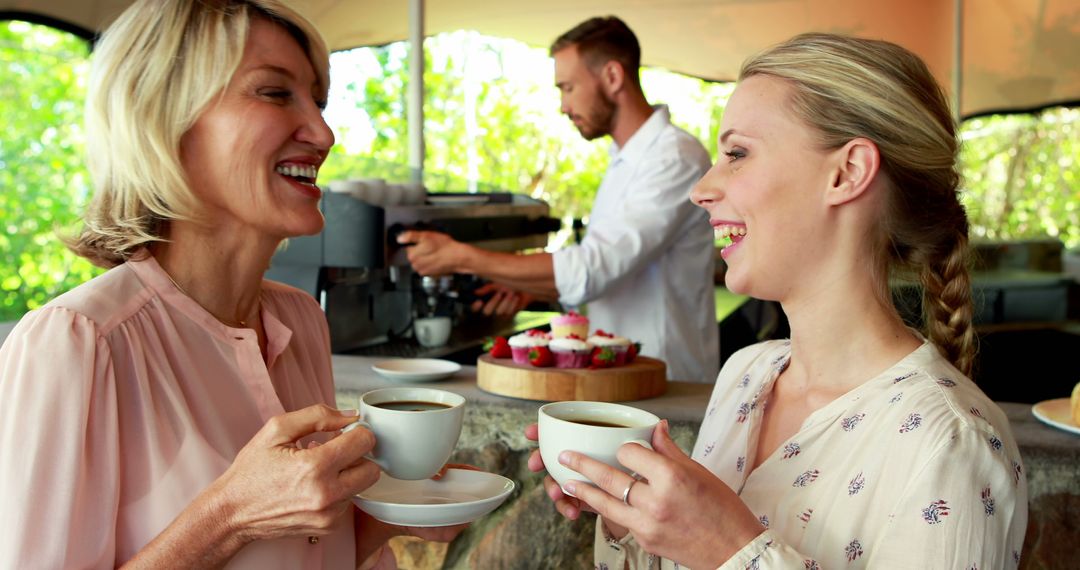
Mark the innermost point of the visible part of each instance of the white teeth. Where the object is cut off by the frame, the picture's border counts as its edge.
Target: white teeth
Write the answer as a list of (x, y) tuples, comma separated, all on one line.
[(722, 232), (293, 170)]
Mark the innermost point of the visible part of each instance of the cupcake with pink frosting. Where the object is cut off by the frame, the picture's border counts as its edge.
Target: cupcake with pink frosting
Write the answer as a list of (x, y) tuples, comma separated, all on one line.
[(521, 344), (570, 352), (563, 326), (617, 344)]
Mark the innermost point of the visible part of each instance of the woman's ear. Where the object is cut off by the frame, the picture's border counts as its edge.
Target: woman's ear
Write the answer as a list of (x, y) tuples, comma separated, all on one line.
[(855, 168)]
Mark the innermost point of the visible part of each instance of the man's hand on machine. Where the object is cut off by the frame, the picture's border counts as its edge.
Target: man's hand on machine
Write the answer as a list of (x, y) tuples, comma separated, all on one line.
[(433, 253)]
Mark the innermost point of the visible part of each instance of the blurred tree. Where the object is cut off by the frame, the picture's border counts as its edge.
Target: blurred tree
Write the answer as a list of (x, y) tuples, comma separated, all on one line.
[(492, 123), (42, 179), (491, 120), (1022, 175)]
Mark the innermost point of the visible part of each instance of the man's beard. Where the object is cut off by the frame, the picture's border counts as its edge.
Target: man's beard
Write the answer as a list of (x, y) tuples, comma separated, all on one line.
[(598, 120)]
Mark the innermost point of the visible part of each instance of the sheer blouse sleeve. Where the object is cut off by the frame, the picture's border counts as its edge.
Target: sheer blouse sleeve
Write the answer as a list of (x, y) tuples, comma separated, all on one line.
[(58, 444)]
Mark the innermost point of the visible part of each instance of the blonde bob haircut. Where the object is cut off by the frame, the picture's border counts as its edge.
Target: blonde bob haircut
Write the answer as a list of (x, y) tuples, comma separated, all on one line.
[(154, 71)]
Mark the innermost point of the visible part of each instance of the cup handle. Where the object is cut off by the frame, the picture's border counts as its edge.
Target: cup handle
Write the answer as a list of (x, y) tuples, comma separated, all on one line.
[(368, 456)]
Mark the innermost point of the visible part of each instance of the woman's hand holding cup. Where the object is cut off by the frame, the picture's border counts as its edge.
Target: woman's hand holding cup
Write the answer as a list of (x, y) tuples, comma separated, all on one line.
[(321, 479), (567, 506), (595, 430)]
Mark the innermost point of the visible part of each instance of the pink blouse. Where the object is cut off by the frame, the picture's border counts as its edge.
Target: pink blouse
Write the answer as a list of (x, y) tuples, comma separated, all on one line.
[(121, 400)]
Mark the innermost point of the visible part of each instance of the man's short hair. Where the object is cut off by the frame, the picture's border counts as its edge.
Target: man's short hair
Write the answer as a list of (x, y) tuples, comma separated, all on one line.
[(600, 40)]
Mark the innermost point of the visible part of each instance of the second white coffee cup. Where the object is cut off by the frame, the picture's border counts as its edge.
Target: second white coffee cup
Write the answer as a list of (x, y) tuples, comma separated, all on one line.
[(416, 429), (596, 429), (432, 331)]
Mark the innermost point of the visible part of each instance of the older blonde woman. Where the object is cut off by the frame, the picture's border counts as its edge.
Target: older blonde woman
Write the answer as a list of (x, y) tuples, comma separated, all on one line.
[(169, 412)]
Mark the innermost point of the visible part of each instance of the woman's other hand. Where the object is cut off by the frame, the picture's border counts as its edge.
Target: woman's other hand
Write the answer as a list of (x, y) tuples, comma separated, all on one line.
[(567, 506), (676, 508), (274, 489), (373, 534), (449, 466)]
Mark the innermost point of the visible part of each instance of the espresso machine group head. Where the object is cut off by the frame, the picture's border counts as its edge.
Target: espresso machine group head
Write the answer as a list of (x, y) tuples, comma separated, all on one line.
[(361, 276)]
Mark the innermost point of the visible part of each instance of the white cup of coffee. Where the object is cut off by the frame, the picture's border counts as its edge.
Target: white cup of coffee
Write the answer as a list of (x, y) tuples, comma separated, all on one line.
[(432, 331), (416, 429), (596, 429)]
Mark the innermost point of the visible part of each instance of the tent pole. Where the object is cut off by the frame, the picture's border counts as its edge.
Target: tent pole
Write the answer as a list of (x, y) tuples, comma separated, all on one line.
[(415, 103), (958, 57)]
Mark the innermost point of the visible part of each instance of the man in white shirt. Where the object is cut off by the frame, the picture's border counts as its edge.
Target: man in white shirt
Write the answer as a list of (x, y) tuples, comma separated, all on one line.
[(645, 266)]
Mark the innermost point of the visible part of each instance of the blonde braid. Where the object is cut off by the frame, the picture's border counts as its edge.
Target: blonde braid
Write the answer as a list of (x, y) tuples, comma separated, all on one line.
[(947, 306)]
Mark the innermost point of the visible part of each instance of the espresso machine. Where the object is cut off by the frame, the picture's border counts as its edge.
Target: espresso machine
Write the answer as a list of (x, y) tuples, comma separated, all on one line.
[(361, 276)]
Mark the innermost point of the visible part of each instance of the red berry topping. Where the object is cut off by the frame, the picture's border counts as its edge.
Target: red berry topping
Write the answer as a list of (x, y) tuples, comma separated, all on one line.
[(602, 358), (541, 357)]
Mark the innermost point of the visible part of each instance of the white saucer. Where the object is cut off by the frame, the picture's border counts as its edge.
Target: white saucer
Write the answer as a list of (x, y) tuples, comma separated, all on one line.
[(1056, 413), (461, 496), (416, 369)]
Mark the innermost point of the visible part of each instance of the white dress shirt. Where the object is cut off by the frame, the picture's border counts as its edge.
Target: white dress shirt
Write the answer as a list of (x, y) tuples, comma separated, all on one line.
[(645, 266), (915, 468)]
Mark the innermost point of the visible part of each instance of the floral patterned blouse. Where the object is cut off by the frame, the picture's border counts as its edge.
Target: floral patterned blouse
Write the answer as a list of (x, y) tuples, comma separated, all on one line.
[(915, 468)]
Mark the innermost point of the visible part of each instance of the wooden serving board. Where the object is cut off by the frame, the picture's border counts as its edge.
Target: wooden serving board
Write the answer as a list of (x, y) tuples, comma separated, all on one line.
[(643, 378)]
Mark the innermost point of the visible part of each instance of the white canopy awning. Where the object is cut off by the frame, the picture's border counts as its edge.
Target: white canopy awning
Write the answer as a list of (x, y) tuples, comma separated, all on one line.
[(1015, 54)]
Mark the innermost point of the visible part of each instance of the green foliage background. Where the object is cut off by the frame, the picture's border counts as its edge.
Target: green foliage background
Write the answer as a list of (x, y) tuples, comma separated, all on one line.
[(1022, 175), (42, 178), (1022, 178)]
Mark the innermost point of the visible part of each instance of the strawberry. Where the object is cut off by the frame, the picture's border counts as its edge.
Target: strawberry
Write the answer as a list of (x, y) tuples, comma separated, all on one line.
[(632, 351), (498, 348), (541, 357), (601, 332), (602, 358)]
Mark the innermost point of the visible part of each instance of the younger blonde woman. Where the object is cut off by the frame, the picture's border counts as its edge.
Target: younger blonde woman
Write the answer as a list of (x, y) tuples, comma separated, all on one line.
[(858, 443)]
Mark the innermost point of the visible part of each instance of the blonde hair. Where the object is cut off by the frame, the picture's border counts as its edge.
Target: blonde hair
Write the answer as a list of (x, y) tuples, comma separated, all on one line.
[(846, 88), (154, 71)]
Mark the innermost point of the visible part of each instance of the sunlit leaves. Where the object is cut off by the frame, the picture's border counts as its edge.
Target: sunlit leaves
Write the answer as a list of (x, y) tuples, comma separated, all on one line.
[(1021, 172), (1022, 176), (42, 182)]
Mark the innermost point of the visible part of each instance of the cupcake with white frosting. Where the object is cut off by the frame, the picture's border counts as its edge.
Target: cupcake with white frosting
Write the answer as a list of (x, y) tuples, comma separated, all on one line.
[(571, 352), (521, 344), (617, 344)]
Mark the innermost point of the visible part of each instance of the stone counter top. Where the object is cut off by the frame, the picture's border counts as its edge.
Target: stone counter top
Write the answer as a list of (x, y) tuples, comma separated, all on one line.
[(526, 531), (683, 401)]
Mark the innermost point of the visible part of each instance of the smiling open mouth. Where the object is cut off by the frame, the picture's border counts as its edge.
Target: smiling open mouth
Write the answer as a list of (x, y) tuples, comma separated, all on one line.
[(729, 234), (303, 173)]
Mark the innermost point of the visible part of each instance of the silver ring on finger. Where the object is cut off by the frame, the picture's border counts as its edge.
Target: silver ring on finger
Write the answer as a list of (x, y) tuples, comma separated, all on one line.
[(626, 492)]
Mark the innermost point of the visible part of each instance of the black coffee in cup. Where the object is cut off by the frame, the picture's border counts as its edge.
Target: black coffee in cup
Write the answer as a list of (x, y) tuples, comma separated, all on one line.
[(412, 406)]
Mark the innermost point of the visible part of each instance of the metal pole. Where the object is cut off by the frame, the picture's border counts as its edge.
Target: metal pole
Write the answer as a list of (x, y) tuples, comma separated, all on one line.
[(958, 57), (415, 110)]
